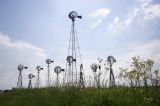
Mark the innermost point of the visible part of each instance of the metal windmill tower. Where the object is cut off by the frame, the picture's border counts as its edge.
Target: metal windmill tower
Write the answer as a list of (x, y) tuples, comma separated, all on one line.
[(19, 82), (48, 61), (30, 76), (111, 60), (39, 68), (74, 75)]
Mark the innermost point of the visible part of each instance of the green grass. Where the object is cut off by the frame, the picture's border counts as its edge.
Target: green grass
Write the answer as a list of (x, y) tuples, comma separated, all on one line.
[(118, 96)]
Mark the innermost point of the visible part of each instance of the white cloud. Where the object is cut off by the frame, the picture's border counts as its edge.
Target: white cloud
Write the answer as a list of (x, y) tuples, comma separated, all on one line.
[(148, 10), (103, 12), (152, 12), (14, 53), (131, 17), (5, 41), (143, 11), (99, 14)]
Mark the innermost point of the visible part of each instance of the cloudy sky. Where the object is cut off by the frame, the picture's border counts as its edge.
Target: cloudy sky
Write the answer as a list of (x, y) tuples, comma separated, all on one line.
[(33, 30)]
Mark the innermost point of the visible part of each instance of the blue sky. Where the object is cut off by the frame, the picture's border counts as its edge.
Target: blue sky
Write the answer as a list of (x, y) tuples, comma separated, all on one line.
[(33, 30)]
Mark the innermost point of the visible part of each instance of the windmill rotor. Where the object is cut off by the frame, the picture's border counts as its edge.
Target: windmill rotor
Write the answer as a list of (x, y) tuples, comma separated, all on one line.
[(111, 59), (20, 67), (94, 67), (73, 15), (57, 69), (30, 76), (49, 61), (39, 68), (70, 59)]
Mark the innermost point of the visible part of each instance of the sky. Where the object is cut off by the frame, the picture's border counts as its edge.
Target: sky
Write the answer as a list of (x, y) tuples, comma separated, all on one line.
[(33, 30)]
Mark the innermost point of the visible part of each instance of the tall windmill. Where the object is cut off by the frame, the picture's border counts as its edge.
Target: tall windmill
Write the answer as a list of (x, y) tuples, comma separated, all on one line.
[(74, 75)]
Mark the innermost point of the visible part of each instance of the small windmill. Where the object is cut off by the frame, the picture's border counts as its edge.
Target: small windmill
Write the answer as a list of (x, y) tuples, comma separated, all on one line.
[(49, 61), (30, 76), (39, 68), (57, 70), (111, 60), (94, 67), (99, 73), (19, 82)]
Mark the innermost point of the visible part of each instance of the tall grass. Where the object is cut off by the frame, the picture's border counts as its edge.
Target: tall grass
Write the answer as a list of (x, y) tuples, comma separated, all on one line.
[(116, 96)]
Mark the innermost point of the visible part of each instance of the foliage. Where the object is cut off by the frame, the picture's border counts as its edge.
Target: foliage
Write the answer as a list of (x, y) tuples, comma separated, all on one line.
[(141, 73)]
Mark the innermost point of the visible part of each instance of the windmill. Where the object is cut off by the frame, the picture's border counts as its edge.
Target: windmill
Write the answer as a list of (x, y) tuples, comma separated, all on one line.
[(111, 60), (57, 70), (94, 68), (74, 60), (37, 84), (48, 61), (19, 82), (99, 73), (30, 76)]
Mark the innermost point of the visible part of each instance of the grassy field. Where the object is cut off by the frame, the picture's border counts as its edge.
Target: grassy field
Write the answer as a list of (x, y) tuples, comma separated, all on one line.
[(118, 96)]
